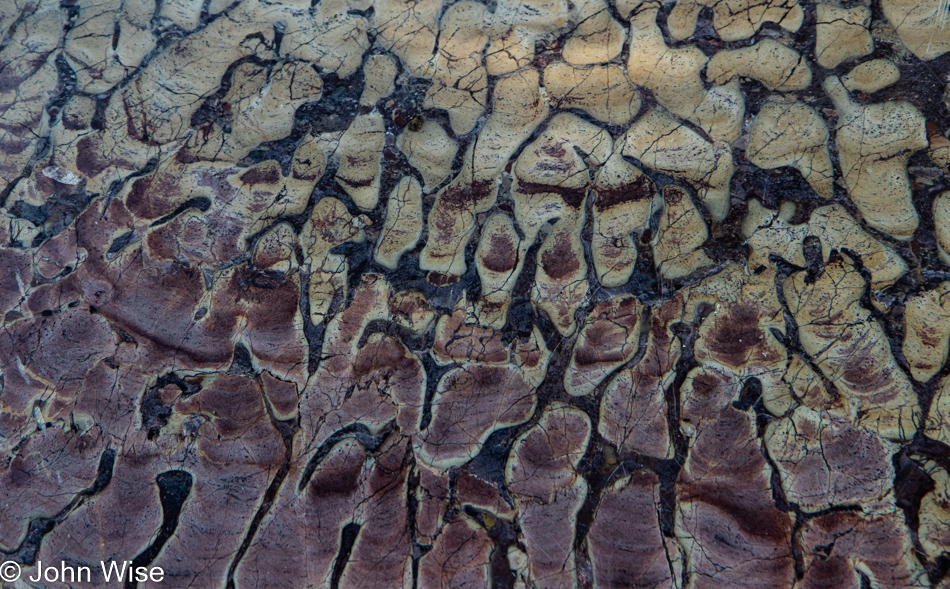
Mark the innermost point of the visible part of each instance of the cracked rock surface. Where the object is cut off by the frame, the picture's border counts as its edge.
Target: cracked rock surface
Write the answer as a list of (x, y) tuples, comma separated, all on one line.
[(534, 294)]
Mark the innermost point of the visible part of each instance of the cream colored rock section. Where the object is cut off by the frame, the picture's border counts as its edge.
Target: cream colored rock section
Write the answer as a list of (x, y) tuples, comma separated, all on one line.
[(769, 232), (938, 421), (871, 76), (673, 75), (263, 102), (518, 107), (360, 154), (841, 34), (875, 143), (551, 181), (662, 143), (927, 331), (275, 249), (598, 37), (379, 74), (941, 213), (403, 225), (514, 28), (790, 133), (88, 45), (498, 261), (329, 35), (329, 225), (921, 24), (768, 61), (624, 199), (408, 28), (604, 92), (682, 232), (735, 19), (429, 150), (459, 80), (851, 349)]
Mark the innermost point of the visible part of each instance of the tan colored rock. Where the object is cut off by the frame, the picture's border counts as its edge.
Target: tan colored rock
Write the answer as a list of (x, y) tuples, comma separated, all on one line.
[(677, 248), (429, 150), (841, 34), (871, 76), (403, 225), (330, 36), (498, 261), (517, 108), (769, 232), (673, 76), (875, 143), (598, 37), (735, 19), (408, 28), (825, 462), (921, 24), (927, 331), (609, 338), (360, 154), (851, 349), (941, 213), (552, 181), (604, 92), (792, 134), (515, 26), (778, 67), (100, 60), (661, 143), (934, 513), (560, 284), (330, 224), (459, 80), (938, 421), (379, 73), (263, 102), (623, 202)]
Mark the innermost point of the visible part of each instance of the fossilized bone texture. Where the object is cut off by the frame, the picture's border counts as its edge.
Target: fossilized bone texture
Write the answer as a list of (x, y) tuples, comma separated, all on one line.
[(534, 294)]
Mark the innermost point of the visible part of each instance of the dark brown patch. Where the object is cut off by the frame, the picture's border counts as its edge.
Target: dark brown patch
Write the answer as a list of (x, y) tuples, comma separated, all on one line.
[(560, 260)]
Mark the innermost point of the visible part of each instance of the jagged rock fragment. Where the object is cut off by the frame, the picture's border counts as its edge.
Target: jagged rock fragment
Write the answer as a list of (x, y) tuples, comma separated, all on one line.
[(792, 134), (460, 82), (850, 348), (360, 154), (735, 19), (403, 224), (598, 37), (927, 331), (604, 92), (429, 150), (874, 144), (768, 61), (871, 76), (610, 337), (841, 34), (661, 143), (677, 250), (921, 24)]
